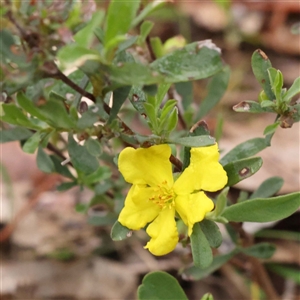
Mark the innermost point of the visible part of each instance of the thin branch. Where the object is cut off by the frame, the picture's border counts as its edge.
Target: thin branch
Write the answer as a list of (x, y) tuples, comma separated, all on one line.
[(258, 270), (176, 162)]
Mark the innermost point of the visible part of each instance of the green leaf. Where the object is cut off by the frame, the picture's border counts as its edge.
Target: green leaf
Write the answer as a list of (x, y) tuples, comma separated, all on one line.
[(196, 273), (157, 47), (100, 174), (85, 36), (145, 30), (119, 97), (93, 146), (66, 186), (147, 10), (244, 150), (119, 232), (106, 218), (286, 272), (120, 15), (161, 92), (221, 203), (73, 55), (32, 143), (44, 162), (172, 121), (242, 169), (263, 209), (80, 157), (278, 234), (261, 250), (161, 286), (270, 129), (29, 106), (207, 296), (216, 90), (60, 169), (15, 134), (212, 233), (292, 91), (267, 103), (12, 114), (201, 251), (192, 62), (251, 107), (185, 90), (260, 65), (138, 98), (55, 112), (268, 188), (193, 141)]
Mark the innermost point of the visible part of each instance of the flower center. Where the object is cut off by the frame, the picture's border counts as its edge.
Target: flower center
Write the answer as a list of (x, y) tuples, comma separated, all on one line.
[(163, 196)]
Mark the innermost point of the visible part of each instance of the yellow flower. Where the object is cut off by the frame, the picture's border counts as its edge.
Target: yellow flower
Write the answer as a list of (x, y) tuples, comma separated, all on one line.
[(154, 196)]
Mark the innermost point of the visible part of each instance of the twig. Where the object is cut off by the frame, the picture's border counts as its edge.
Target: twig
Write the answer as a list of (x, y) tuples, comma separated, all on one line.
[(259, 273), (176, 162)]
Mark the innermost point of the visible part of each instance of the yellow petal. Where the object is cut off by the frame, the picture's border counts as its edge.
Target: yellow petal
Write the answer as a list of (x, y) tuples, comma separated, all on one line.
[(193, 208), (149, 166), (204, 172), (138, 210), (163, 233)]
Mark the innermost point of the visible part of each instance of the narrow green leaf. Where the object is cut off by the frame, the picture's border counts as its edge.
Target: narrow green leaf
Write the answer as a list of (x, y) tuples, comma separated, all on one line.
[(242, 169), (80, 157), (221, 203), (268, 188), (157, 47), (44, 162), (244, 150), (73, 55), (286, 272), (161, 286), (66, 186), (29, 106), (85, 36), (12, 114), (185, 90), (263, 209), (260, 65), (119, 232), (147, 10), (261, 250), (267, 103), (120, 15), (292, 91), (32, 143), (193, 141), (202, 254), (125, 45), (161, 92), (119, 97), (212, 233), (251, 107), (278, 234), (15, 134), (172, 121), (145, 30), (216, 90), (270, 129), (196, 273)]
